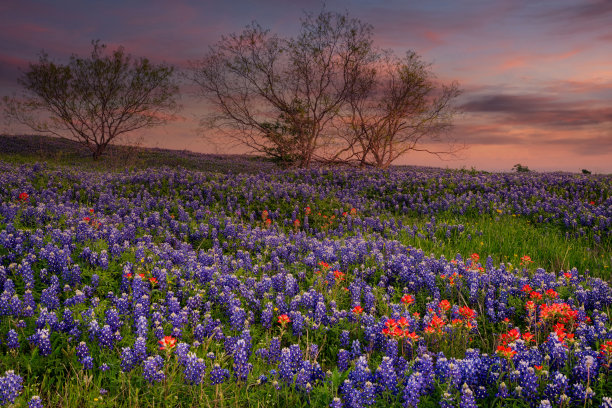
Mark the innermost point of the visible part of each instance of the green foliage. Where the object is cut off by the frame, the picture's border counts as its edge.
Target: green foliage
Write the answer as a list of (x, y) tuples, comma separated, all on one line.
[(519, 168)]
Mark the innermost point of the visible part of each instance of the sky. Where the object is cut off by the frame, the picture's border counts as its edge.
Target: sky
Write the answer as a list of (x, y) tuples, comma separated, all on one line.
[(536, 75)]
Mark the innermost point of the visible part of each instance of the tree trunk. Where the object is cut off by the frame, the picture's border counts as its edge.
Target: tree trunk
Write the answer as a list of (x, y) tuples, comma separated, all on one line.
[(98, 152)]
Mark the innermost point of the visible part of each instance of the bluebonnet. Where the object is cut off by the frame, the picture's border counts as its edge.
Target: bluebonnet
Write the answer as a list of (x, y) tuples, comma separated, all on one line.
[(128, 361), (12, 339), (11, 385), (386, 376), (152, 369), (194, 369), (218, 375), (35, 402), (467, 397), (241, 367)]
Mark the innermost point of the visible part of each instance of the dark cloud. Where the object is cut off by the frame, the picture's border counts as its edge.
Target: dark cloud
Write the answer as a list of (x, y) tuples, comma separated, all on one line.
[(577, 17), (539, 110)]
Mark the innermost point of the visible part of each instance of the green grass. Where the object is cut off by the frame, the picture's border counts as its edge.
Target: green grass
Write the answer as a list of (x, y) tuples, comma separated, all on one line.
[(507, 238)]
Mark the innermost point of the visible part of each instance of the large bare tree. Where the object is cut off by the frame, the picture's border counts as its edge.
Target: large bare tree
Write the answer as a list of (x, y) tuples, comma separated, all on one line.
[(96, 99), (280, 96), (394, 108)]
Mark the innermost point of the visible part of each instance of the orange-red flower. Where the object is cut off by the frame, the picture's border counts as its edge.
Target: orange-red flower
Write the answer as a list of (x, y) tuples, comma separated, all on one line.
[(445, 305), (284, 319), (358, 309), (528, 337), (510, 336), (535, 295), (153, 280), (467, 312), (552, 294), (436, 322), (407, 300), (506, 352), (390, 323), (411, 336), (23, 197), (167, 342), (475, 257)]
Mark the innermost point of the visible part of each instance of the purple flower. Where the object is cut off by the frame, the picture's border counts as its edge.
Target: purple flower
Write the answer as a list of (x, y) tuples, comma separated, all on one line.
[(152, 369), (467, 397), (12, 339), (218, 375), (10, 387), (35, 402), (194, 369)]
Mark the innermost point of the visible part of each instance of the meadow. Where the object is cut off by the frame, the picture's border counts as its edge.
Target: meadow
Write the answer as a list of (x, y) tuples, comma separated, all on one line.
[(251, 286)]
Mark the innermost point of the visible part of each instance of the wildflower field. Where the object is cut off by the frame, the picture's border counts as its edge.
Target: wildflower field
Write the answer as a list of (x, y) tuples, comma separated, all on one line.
[(323, 288)]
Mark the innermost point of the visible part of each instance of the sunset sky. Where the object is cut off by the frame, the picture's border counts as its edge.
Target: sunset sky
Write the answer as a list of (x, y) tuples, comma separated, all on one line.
[(536, 75)]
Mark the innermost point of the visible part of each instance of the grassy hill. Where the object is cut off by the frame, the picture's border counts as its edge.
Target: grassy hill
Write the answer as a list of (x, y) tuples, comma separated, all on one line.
[(56, 151)]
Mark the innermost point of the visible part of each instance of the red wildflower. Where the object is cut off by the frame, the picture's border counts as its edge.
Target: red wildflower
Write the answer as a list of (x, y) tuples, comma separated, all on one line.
[(283, 319), (530, 306), (467, 312), (391, 323), (24, 197), (535, 295), (407, 300), (445, 305), (437, 322), (358, 309), (606, 349), (506, 352), (411, 336), (552, 294), (167, 342), (339, 275)]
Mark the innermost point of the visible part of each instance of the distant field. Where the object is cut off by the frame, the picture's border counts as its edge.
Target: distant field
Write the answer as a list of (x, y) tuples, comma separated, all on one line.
[(56, 151), (163, 278)]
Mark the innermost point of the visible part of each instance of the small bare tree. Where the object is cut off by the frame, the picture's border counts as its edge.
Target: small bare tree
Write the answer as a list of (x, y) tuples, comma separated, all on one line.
[(94, 100), (280, 96), (394, 108)]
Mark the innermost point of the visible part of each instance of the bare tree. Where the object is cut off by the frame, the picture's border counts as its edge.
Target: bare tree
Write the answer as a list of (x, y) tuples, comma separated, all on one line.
[(94, 100), (394, 108), (280, 96)]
